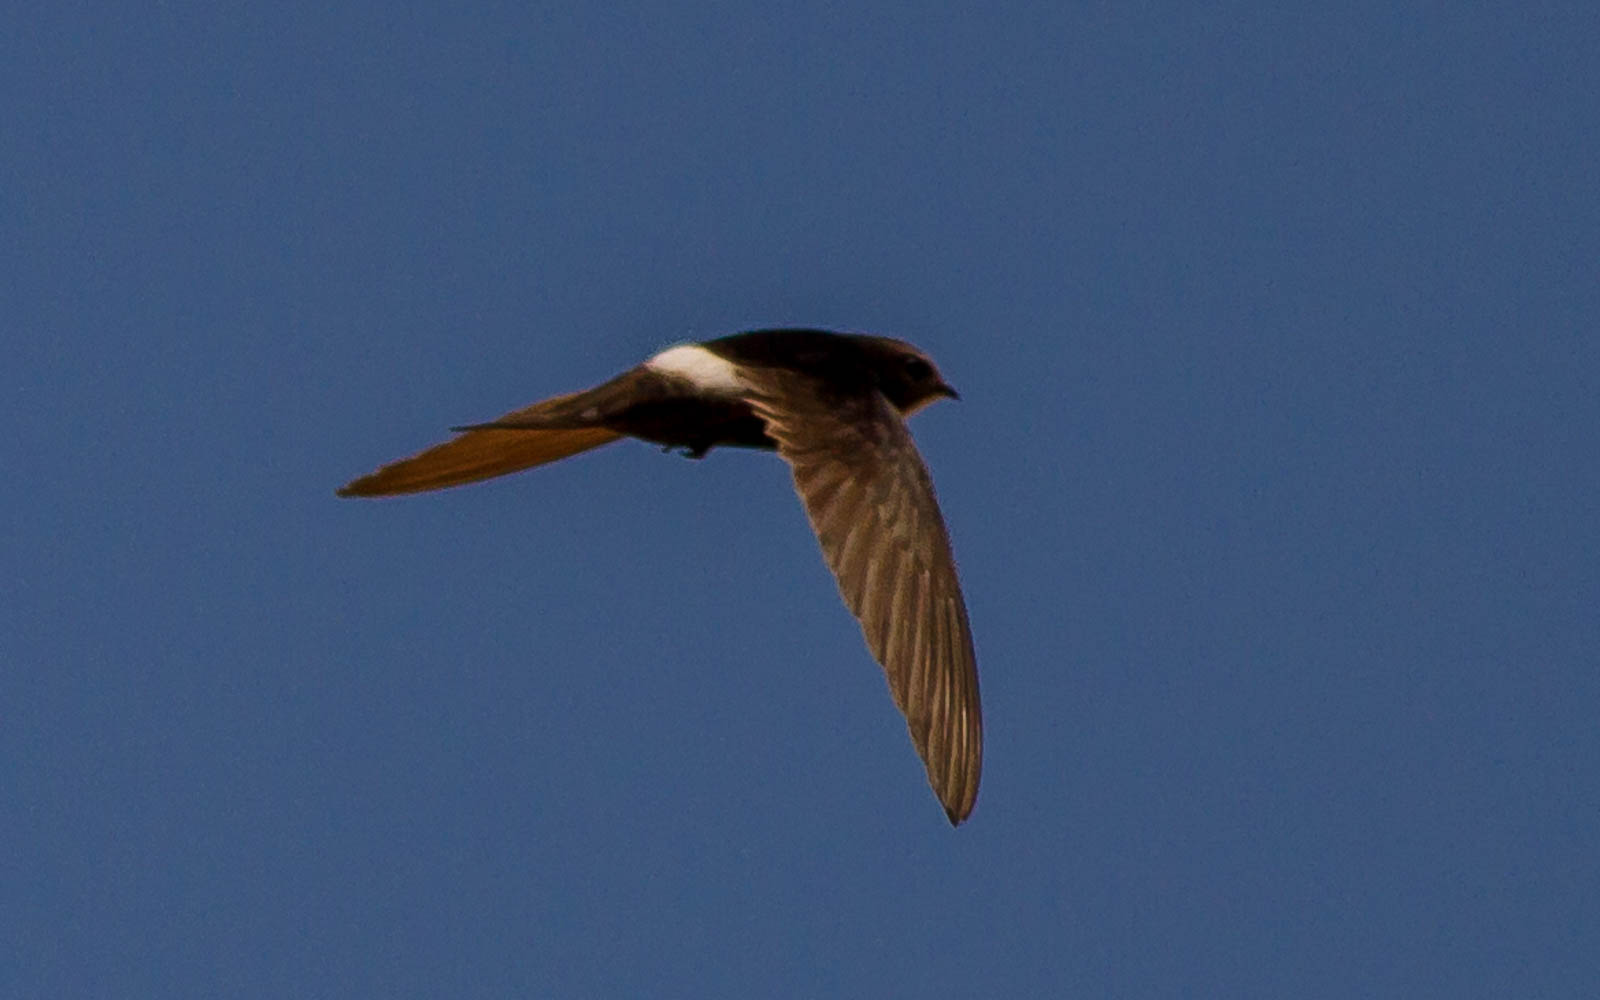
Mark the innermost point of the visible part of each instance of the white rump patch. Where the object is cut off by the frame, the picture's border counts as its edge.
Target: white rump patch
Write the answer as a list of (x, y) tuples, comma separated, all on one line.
[(698, 366)]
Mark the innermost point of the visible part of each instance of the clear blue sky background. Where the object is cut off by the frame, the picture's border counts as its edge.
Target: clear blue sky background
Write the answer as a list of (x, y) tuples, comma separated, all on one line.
[(1274, 490)]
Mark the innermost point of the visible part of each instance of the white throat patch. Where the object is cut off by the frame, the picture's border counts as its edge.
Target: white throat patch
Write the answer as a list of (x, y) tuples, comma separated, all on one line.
[(699, 367)]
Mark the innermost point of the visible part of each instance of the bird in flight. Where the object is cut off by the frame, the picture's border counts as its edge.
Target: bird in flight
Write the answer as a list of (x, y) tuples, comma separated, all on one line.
[(833, 406)]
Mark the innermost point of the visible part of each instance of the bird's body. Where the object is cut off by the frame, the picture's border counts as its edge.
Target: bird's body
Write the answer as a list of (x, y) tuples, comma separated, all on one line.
[(832, 405)]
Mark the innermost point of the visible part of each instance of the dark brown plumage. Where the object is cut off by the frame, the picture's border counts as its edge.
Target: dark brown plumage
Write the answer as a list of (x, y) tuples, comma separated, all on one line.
[(832, 406)]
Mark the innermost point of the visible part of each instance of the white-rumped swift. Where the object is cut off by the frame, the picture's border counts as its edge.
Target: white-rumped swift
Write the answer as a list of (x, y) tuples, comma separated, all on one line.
[(833, 406)]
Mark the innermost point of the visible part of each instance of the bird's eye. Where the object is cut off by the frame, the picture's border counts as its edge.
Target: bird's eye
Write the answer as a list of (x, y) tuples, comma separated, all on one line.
[(918, 369)]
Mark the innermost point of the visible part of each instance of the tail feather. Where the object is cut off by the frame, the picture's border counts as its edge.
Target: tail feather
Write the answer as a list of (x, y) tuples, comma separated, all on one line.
[(480, 454)]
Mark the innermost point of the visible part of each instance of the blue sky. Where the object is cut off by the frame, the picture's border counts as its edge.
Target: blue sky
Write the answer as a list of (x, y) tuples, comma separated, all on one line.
[(1273, 488)]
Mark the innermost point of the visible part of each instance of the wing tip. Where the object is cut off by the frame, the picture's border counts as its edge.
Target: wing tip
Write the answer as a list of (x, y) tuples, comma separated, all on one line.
[(357, 488), (960, 811), (377, 484)]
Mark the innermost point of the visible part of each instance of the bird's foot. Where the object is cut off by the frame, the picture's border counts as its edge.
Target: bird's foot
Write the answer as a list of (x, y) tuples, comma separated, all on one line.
[(687, 451)]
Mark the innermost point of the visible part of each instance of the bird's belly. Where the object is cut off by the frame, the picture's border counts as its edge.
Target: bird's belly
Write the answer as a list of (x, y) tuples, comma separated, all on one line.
[(696, 424)]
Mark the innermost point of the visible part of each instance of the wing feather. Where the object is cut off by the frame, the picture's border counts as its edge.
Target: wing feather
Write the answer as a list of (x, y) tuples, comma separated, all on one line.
[(479, 454), (871, 502)]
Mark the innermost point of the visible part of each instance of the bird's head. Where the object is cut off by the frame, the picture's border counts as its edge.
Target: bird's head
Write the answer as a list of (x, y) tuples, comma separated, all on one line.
[(906, 376)]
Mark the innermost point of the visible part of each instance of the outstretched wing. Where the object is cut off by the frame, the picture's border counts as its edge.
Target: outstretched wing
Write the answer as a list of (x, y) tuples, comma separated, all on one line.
[(483, 454), (872, 505)]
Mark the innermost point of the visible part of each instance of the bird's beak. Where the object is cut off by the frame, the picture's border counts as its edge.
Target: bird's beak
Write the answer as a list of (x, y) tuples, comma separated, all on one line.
[(945, 390)]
